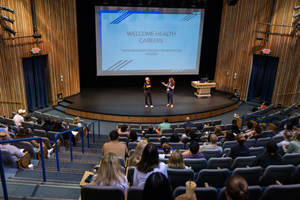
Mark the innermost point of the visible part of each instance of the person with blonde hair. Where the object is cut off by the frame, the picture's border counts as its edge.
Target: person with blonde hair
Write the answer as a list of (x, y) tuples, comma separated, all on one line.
[(176, 160), (218, 131), (294, 146), (147, 92), (287, 136), (240, 149), (137, 155), (170, 91), (77, 121), (110, 173)]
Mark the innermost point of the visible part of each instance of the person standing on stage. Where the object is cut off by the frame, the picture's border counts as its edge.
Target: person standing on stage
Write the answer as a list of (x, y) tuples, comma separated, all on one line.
[(170, 91), (147, 92)]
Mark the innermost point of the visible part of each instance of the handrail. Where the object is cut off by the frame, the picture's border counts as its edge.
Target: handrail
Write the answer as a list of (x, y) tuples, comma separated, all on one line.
[(70, 139), (2, 167), (262, 116), (93, 131)]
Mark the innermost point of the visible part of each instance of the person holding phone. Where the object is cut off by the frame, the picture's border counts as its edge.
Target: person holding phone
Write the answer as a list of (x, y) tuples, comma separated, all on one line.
[(170, 91), (147, 92)]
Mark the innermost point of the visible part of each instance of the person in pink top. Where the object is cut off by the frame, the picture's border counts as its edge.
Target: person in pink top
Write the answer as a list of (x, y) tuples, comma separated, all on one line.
[(123, 130), (18, 118)]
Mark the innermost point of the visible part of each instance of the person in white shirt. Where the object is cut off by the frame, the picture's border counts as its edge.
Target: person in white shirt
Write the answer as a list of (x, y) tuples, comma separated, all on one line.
[(287, 136), (110, 173), (213, 145), (18, 118), (149, 164), (288, 127)]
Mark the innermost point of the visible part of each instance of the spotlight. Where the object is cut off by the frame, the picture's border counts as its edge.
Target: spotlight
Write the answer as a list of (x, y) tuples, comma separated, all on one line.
[(297, 25), (9, 30), (260, 38), (296, 8), (7, 19), (297, 15), (7, 9)]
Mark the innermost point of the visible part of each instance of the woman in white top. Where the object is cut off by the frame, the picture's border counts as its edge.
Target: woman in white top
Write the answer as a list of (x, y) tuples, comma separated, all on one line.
[(110, 173), (287, 136), (149, 164)]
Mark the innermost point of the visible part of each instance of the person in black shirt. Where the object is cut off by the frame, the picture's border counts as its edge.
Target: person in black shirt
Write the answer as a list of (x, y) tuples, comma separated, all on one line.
[(240, 149), (257, 133), (147, 92)]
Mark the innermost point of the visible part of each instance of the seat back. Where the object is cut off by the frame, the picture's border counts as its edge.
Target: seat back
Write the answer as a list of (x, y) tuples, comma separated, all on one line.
[(38, 127), (46, 141), (281, 192), (123, 135), (9, 122), (211, 154), (217, 122), (130, 172), (173, 126), (222, 126), (266, 134), (208, 129), (220, 138), (132, 145), (46, 116), (69, 120), (198, 125), (214, 177), (178, 177), (51, 137), (255, 151), (26, 146), (229, 144), (38, 115), (254, 193), (242, 162), (195, 164), (261, 142), (215, 163), (277, 139), (228, 127), (40, 133), (135, 193), (251, 175), (55, 117), (275, 173), (122, 161), (250, 143), (295, 177), (7, 159), (201, 193), (281, 125), (136, 130), (145, 126), (166, 135), (134, 126), (27, 125), (2, 121), (208, 122), (176, 145), (179, 130), (167, 130), (180, 125), (293, 159), (164, 160), (151, 135), (90, 192)]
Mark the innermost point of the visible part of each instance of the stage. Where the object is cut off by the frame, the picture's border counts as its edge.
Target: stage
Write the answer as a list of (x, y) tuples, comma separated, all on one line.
[(127, 104)]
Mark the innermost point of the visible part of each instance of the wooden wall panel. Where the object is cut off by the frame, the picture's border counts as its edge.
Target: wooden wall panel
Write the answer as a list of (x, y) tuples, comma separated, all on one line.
[(56, 21), (237, 44)]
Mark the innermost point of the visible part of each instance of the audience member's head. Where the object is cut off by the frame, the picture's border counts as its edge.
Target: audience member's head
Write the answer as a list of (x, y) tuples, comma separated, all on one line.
[(218, 131), (296, 135), (249, 126), (21, 112), (213, 139), (133, 136), (176, 160), (150, 129), (263, 126), (240, 138), (27, 118), (38, 121), (166, 120), (234, 121), (46, 123), (124, 128), (257, 130), (266, 103), (174, 137), (149, 160), (194, 147), (271, 149), (187, 119), (76, 120), (57, 126), (163, 140), (23, 133), (236, 188), (187, 131), (229, 136), (287, 135), (235, 129), (157, 187), (137, 155), (3, 135), (114, 135), (289, 126), (166, 148), (52, 122), (193, 135), (110, 171)]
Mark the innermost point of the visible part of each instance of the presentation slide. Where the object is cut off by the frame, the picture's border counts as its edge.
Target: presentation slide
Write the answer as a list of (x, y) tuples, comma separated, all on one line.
[(148, 41)]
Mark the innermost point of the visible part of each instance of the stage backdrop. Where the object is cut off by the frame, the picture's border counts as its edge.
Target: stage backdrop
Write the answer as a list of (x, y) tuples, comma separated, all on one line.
[(237, 44), (87, 51), (56, 21)]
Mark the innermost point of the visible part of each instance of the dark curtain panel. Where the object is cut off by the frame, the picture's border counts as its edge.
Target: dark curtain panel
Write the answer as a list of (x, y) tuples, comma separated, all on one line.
[(263, 76), (35, 82), (29, 83)]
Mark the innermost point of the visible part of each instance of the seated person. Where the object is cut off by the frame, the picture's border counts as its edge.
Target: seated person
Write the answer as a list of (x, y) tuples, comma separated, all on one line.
[(236, 187), (287, 127), (213, 145), (228, 137), (123, 129), (263, 126), (114, 146), (240, 149), (133, 137), (135, 158), (287, 136), (294, 146), (165, 124), (176, 161), (110, 173), (193, 151), (249, 130), (18, 118), (58, 127), (14, 151), (4, 128), (28, 119), (150, 131), (218, 131), (47, 126), (186, 134), (165, 146), (263, 106), (174, 138), (270, 157), (256, 134), (235, 129), (188, 123)]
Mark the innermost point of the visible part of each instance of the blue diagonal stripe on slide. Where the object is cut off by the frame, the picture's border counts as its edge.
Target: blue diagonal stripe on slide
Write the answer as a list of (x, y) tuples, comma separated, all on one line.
[(122, 18), (119, 65), (185, 17), (124, 65), (190, 18), (114, 65)]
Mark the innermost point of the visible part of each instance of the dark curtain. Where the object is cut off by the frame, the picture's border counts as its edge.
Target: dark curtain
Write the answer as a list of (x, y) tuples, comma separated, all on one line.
[(35, 82), (263, 76)]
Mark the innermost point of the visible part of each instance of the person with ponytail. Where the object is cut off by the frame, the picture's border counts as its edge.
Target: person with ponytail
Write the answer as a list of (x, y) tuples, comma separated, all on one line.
[(236, 188), (240, 149)]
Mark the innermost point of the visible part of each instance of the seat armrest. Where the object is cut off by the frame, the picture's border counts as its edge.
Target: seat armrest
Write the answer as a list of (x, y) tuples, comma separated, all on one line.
[(24, 161), (239, 122), (272, 127), (206, 185), (278, 183), (254, 123)]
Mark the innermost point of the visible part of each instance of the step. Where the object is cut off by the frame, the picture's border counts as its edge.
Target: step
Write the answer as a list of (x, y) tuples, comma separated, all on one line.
[(34, 181), (80, 157), (59, 108), (62, 169), (70, 165), (29, 198), (24, 179), (86, 150)]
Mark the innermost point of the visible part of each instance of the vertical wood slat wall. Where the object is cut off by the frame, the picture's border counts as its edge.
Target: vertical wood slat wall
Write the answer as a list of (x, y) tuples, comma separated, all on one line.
[(237, 44), (56, 21)]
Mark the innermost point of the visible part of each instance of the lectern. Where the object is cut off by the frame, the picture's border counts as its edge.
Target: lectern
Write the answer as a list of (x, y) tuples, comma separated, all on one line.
[(203, 89)]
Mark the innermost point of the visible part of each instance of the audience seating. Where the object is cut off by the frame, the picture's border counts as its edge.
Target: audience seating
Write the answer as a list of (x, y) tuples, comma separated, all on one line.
[(178, 177), (262, 142), (211, 154), (9, 162), (275, 173), (214, 177), (242, 162), (38, 127), (208, 129), (176, 145), (129, 174), (255, 151), (180, 125), (136, 130), (281, 192), (220, 138), (219, 163), (166, 134), (295, 177), (92, 192), (151, 135), (208, 122), (164, 160), (173, 126), (40, 133), (167, 130), (195, 164), (209, 193), (250, 143), (9, 122), (277, 139), (27, 125), (251, 174), (293, 159), (123, 135), (55, 117), (38, 115), (123, 139), (135, 193), (229, 144), (2, 120), (179, 130), (69, 120), (145, 126), (46, 116), (227, 151), (132, 145), (26, 146), (198, 125), (51, 137), (228, 127), (136, 126), (254, 193)]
